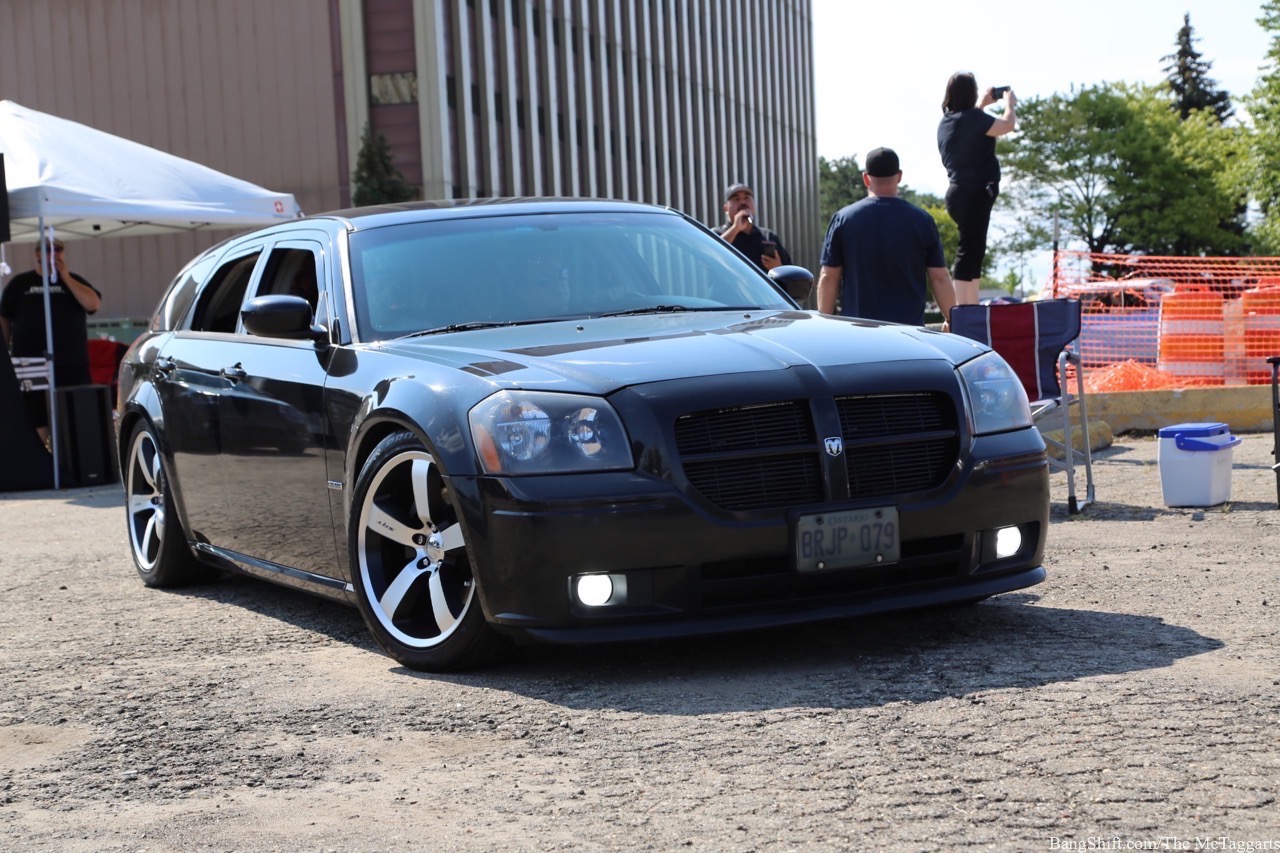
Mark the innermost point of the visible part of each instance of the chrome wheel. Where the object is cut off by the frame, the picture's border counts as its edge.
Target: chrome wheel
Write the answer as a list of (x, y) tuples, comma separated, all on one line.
[(414, 577), (413, 566), (144, 490), (157, 541)]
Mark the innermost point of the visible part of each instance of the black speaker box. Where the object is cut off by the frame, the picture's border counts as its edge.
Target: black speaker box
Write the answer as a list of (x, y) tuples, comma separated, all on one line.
[(24, 463), (86, 446)]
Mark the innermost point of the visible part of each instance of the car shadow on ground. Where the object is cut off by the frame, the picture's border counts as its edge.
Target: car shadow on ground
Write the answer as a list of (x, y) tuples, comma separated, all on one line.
[(95, 497), (920, 656), (1112, 511), (292, 606)]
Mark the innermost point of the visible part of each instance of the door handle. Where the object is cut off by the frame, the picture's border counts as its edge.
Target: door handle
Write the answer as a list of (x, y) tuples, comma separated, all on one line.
[(235, 373)]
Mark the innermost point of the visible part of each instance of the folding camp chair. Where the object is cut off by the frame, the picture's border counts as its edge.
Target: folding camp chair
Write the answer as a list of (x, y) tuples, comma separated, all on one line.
[(1035, 339), (1274, 361)]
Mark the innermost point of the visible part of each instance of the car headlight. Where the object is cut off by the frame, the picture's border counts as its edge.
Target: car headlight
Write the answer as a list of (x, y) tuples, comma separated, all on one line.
[(996, 398), (540, 432)]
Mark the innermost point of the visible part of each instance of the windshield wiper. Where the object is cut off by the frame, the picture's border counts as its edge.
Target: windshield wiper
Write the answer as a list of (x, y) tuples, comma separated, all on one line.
[(673, 309), (650, 309), (459, 327)]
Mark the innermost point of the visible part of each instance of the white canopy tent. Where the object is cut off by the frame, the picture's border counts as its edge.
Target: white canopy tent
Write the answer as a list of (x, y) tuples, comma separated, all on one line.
[(71, 181), (86, 183)]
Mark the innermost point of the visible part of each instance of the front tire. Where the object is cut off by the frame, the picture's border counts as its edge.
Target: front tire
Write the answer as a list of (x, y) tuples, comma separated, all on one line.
[(413, 576), (157, 541)]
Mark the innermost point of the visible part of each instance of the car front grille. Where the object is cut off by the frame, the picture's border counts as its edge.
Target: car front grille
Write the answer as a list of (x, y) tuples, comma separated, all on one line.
[(767, 456), (897, 444)]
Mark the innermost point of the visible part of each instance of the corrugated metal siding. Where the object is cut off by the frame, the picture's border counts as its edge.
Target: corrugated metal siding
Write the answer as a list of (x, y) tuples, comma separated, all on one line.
[(241, 86), (663, 101)]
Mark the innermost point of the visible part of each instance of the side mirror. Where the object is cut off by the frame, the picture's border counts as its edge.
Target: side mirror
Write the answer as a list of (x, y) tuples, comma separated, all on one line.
[(796, 281), (282, 316)]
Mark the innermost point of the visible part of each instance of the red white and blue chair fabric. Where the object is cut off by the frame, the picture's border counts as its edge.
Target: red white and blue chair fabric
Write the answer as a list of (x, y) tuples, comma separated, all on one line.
[(1036, 339), (1274, 361)]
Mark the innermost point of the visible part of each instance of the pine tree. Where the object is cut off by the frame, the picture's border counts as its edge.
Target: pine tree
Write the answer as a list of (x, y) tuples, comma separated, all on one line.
[(377, 180), (1189, 79)]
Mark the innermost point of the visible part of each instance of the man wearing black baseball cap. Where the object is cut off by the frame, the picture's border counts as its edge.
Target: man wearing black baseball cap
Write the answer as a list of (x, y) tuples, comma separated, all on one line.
[(880, 251), (761, 246)]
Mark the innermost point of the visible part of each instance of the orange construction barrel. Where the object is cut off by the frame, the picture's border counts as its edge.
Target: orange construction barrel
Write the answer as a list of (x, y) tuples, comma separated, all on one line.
[(1190, 337), (1261, 332)]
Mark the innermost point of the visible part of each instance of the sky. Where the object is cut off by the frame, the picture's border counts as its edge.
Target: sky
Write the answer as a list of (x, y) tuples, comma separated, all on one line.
[(887, 89), (881, 68)]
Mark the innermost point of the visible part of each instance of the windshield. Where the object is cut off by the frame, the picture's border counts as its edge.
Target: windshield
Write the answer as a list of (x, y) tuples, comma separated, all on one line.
[(448, 274)]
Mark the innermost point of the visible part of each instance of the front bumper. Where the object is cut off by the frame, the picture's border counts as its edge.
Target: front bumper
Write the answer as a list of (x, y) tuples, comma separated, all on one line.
[(691, 569)]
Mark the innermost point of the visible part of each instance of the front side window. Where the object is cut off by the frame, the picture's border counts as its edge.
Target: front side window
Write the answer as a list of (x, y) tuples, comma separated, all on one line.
[(292, 272), (537, 267), (218, 309)]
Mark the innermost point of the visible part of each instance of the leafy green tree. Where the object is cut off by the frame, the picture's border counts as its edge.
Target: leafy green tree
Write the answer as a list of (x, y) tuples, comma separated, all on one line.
[(1188, 78), (839, 185), (920, 198), (377, 180), (947, 230), (1122, 172), (1264, 109)]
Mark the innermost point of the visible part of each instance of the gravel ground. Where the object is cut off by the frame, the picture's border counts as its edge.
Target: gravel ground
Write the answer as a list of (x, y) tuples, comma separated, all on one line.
[(1129, 700)]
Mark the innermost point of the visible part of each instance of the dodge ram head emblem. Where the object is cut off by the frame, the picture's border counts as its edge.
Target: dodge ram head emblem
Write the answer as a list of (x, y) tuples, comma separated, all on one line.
[(834, 445)]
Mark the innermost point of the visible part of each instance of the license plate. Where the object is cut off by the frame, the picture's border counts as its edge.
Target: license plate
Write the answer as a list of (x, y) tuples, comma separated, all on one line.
[(847, 539)]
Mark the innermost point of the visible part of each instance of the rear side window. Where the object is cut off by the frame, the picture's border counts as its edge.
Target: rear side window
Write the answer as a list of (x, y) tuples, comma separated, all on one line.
[(182, 293), (219, 307)]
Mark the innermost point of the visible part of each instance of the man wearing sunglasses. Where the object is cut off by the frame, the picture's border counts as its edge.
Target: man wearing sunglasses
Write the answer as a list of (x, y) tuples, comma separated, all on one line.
[(71, 300)]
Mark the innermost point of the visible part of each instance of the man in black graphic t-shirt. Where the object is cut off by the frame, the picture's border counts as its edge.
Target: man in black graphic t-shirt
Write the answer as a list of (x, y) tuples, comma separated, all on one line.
[(71, 299)]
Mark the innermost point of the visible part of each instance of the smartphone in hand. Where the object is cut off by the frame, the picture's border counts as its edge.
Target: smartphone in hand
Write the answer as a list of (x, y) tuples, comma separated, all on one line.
[(768, 247), (997, 92)]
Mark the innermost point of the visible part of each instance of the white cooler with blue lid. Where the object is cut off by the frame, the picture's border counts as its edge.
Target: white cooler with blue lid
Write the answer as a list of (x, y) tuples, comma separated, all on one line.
[(1195, 464)]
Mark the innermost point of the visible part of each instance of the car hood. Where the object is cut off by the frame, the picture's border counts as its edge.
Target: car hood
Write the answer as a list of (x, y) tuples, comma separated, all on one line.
[(599, 356)]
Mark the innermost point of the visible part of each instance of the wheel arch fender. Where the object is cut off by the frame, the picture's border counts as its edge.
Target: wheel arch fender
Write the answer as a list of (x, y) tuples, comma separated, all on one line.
[(143, 404), (438, 420)]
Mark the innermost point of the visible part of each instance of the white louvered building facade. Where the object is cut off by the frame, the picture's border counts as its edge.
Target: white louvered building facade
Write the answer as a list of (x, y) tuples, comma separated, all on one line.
[(662, 101)]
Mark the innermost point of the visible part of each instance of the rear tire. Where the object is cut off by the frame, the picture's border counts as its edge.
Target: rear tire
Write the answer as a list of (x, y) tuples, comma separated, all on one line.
[(412, 570), (157, 541)]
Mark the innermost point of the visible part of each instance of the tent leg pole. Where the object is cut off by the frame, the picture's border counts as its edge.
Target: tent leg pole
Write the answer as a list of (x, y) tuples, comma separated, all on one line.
[(46, 254)]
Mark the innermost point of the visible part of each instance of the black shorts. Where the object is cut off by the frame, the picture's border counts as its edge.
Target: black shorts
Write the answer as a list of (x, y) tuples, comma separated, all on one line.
[(970, 207)]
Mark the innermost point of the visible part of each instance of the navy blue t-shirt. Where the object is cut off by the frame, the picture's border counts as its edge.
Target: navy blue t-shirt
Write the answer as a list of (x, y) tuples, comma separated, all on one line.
[(968, 154), (884, 246)]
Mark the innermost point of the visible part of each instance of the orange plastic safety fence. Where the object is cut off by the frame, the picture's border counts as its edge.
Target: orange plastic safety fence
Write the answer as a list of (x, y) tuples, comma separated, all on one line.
[(1166, 322)]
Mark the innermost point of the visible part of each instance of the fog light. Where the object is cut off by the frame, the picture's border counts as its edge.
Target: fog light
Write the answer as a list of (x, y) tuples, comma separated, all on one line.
[(594, 590), (1008, 542)]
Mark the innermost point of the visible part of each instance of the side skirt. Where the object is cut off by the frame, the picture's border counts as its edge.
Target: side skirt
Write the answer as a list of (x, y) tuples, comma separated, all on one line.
[(331, 588)]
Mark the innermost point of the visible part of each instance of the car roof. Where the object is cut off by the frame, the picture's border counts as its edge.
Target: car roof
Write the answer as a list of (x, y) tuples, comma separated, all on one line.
[(357, 218), (375, 216)]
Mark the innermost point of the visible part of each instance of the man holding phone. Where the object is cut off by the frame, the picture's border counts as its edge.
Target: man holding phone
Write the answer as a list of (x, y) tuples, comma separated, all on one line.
[(761, 246)]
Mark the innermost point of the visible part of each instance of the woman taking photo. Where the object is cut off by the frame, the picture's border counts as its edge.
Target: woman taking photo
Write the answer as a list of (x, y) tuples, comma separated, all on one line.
[(967, 143)]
